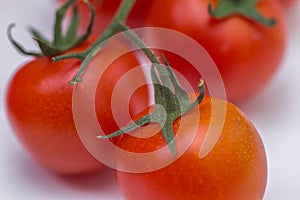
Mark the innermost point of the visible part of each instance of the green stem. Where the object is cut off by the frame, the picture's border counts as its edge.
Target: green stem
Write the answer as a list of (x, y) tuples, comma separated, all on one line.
[(124, 10), (162, 72), (84, 65), (138, 123), (112, 29), (198, 100), (171, 100), (175, 103), (139, 43)]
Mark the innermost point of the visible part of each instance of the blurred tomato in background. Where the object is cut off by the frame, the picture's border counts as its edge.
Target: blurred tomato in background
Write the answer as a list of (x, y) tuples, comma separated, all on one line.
[(246, 52)]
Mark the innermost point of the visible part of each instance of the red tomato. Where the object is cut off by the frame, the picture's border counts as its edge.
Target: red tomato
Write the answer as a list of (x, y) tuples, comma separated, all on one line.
[(235, 168), (287, 3), (246, 53), (39, 109), (106, 9)]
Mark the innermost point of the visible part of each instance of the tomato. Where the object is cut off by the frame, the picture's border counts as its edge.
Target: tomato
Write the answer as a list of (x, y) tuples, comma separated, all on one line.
[(287, 3), (247, 53), (235, 167), (39, 108), (106, 9)]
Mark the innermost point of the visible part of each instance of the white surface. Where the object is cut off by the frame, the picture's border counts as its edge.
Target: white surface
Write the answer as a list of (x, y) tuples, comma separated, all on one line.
[(275, 113)]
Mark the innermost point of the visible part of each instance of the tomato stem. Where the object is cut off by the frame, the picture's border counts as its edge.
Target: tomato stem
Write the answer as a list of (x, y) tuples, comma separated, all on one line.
[(170, 103), (138, 123), (247, 9), (171, 100), (112, 29)]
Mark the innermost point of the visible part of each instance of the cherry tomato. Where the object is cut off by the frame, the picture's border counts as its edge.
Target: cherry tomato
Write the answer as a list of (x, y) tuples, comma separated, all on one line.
[(287, 3), (39, 109), (235, 167), (247, 53), (106, 9)]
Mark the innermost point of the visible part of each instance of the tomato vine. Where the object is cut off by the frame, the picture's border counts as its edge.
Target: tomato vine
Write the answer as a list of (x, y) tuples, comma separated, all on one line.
[(174, 103)]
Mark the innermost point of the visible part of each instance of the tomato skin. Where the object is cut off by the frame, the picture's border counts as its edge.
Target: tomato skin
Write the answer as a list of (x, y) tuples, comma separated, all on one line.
[(106, 9), (39, 109), (246, 53), (287, 3), (236, 167)]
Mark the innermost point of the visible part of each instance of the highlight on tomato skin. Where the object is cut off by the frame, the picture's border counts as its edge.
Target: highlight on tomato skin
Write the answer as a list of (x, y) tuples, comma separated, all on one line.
[(235, 168), (248, 54), (39, 109)]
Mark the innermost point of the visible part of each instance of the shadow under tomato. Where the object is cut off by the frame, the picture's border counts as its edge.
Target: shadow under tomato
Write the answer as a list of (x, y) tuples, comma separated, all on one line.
[(99, 182), (27, 175)]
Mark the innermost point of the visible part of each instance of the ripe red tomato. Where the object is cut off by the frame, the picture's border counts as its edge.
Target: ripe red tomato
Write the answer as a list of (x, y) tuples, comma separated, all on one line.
[(247, 53), (106, 9), (39, 109), (235, 167), (287, 3)]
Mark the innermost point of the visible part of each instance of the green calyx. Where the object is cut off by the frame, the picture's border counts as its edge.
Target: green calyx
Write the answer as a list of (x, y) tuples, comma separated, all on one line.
[(61, 42), (113, 28), (245, 8), (171, 102)]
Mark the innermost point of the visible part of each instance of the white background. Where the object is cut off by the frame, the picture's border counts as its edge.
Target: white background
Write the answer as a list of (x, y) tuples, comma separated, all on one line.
[(274, 111)]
